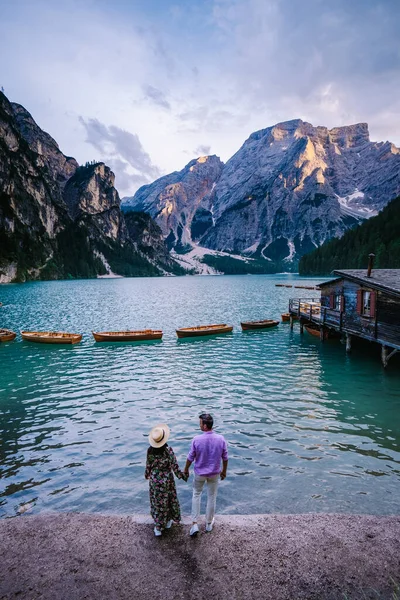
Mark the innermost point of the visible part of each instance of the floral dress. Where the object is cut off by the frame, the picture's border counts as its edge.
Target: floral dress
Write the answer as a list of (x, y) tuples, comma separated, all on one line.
[(164, 503)]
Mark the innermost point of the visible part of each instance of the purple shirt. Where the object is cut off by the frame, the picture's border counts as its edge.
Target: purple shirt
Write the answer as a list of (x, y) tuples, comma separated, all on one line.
[(207, 450)]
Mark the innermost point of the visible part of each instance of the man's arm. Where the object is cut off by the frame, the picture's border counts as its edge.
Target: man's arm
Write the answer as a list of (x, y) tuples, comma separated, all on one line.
[(224, 460), (224, 468), (190, 457), (186, 469)]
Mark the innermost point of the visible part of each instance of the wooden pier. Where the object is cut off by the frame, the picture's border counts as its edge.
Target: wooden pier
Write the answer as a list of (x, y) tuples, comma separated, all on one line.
[(359, 303)]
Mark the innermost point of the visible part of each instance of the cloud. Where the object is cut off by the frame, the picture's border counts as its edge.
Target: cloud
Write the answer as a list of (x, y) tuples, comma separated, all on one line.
[(202, 151), (331, 63), (150, 72), (156, 96), (126, 181), (123, 151)]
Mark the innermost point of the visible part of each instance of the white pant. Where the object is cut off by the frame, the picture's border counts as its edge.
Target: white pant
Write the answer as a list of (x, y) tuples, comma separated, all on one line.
[(212, 488)]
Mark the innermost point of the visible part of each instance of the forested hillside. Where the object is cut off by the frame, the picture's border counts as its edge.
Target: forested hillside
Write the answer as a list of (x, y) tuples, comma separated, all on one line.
[(380, 235)]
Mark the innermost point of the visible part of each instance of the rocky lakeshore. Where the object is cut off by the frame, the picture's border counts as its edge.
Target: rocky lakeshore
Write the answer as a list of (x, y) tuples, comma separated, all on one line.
[(279, 557)]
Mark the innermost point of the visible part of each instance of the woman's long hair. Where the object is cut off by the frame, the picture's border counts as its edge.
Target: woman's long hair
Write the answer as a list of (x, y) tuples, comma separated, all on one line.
[(157, 451)]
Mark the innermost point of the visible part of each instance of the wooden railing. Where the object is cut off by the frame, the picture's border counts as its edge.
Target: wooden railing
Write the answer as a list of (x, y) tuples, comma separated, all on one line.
[(305, 307), (331, 317), (311, 309)]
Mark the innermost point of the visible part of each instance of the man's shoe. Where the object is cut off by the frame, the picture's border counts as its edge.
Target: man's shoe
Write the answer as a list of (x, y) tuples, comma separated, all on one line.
[(169, 524), (194, 530), (209, 526), (157, 532)]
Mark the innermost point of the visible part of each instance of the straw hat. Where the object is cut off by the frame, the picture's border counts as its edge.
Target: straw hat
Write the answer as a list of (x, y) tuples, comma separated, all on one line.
[(159, 435)]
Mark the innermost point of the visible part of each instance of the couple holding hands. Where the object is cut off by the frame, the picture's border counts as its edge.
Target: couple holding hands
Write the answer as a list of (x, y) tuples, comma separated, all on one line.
[(206, 452)]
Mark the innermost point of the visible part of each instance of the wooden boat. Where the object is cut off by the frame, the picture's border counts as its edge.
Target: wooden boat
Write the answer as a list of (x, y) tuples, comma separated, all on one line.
[(6, 335), (128, 336), (265, 324), (203, 330), (286, 317), (305, 287), (314, 330), (51, 337)]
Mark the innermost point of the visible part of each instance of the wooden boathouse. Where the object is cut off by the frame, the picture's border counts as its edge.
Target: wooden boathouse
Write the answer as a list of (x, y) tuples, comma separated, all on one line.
[(360, 303)]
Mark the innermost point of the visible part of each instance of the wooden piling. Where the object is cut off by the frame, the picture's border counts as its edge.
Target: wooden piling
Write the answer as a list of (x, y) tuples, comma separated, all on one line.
[(348, 342), (386, 354)]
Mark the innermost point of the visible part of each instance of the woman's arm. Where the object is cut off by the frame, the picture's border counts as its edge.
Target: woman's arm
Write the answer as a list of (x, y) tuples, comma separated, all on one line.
[(174, 465), (147, 470)]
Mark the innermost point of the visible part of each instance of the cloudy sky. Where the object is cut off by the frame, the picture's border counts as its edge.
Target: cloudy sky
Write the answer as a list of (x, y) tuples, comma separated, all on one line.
[(147, 85)]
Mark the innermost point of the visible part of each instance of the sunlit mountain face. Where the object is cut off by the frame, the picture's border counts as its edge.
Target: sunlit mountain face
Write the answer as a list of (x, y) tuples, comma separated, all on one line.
[(287, 190)]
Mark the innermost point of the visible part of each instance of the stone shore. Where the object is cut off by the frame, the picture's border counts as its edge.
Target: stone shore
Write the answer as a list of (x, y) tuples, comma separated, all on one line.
[(73, 556)]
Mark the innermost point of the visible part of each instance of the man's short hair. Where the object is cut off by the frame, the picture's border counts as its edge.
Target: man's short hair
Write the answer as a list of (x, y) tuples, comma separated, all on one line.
[(207, 419)]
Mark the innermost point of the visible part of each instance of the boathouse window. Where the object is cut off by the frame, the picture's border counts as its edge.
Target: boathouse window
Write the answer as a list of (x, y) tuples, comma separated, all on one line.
[(336, 302), (366, 302)]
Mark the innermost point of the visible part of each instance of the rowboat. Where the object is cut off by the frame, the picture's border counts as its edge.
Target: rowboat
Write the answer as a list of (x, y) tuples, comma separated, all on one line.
[(286, 317), (203, 330), (6, 335), (312, 330), (51, 337), (265, 324), (305, 287), (315, 331), (128, 336)]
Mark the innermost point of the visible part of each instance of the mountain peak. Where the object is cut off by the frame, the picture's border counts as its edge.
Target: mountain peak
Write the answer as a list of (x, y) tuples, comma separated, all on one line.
[(346, 136), (62, 167), (207, 160), (280, 130), (350, 136), (181, 200)]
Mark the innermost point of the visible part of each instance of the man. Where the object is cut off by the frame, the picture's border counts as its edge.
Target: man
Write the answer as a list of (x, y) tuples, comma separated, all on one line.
[(207, 451)]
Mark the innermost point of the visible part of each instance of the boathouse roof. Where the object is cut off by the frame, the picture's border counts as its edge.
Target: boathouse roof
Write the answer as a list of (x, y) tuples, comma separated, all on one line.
[(381, 279)]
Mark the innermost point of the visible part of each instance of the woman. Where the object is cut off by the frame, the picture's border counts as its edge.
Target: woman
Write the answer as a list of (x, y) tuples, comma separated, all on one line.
[(161, 461)]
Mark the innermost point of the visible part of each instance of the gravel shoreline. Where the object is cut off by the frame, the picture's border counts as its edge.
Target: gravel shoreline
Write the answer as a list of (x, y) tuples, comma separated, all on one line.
[(72, 556)]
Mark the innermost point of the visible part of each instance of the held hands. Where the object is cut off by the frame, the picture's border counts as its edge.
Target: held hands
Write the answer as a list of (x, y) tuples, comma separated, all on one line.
[(222, 475), (185, 475)]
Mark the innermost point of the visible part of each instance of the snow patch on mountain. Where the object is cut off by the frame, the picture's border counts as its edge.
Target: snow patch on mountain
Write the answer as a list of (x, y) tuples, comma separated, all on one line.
[(352, 205), (292, 251), (192, 260)]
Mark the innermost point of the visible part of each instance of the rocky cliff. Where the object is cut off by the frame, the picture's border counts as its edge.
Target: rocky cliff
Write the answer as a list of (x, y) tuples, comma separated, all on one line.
[(61, 167), (293, 186), (180, 202), (289, 188), (57, 219)]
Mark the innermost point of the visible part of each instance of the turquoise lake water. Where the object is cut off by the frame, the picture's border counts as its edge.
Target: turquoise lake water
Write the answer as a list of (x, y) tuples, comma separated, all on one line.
[(309, 428)]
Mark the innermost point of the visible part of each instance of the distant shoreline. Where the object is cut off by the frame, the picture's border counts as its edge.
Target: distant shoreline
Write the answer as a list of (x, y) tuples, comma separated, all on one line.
[(115, 276)]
